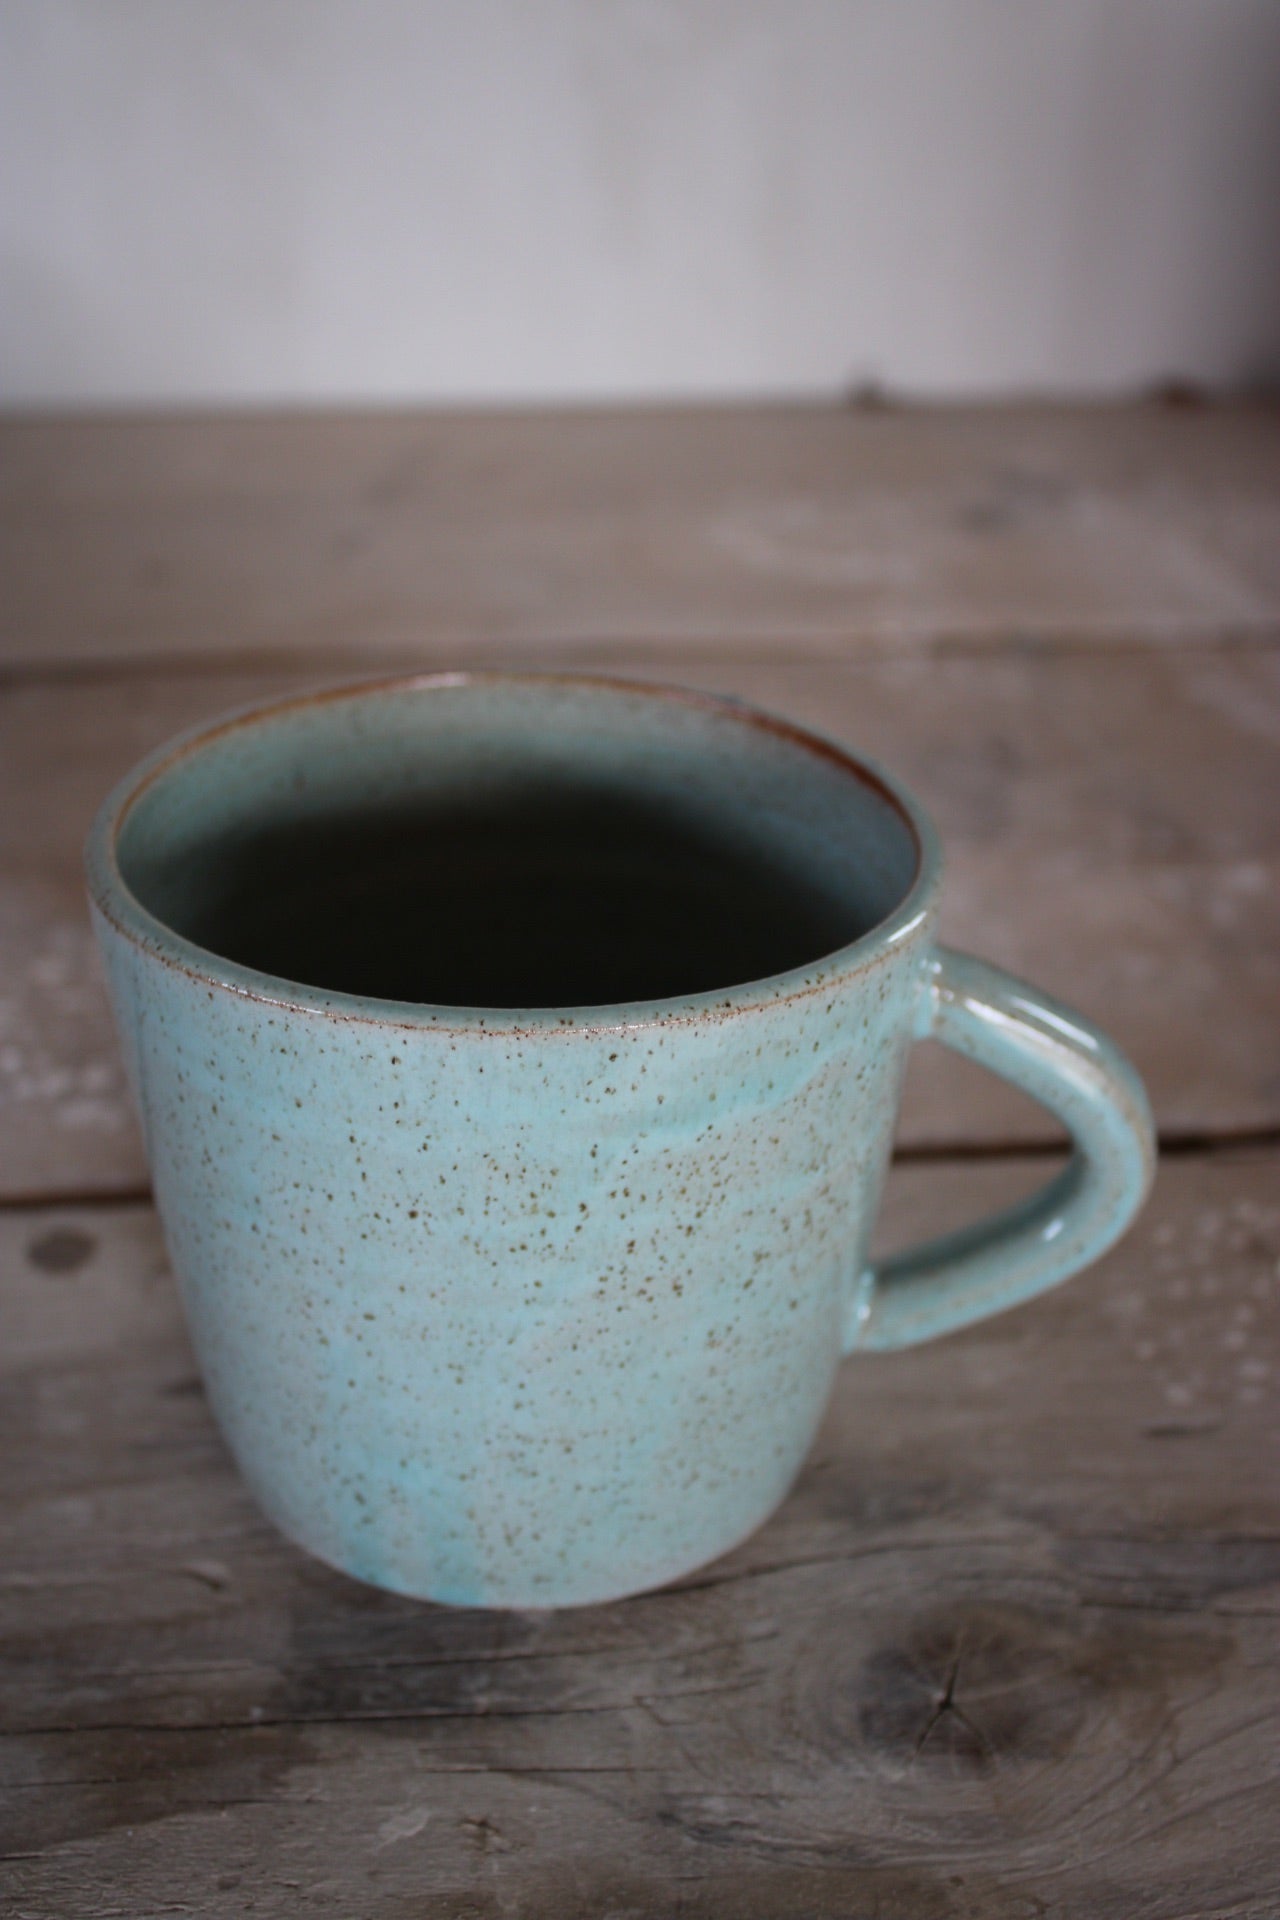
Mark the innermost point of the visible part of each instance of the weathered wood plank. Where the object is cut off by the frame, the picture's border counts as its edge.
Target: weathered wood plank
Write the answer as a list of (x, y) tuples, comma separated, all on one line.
[(145, 538), (1009, 1649), (1112, 824)]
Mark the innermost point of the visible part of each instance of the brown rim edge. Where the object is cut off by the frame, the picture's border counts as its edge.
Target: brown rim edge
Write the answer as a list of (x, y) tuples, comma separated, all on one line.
[(108, 889)]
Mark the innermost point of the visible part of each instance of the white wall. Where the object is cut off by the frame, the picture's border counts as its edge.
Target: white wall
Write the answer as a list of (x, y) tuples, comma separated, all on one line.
[(496, 199)]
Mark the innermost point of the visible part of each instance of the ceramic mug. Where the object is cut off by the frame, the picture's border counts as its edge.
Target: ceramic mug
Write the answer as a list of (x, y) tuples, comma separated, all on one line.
[(518, 1058)]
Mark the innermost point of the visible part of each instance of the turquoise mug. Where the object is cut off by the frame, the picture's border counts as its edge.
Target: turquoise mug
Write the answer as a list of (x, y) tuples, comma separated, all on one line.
[(518, 1058)]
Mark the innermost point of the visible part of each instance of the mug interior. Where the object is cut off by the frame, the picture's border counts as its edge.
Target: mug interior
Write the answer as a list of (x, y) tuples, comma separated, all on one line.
[(516, 842)]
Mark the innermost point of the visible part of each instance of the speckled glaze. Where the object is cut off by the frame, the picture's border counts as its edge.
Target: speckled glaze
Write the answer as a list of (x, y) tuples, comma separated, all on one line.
[(533, 1309)]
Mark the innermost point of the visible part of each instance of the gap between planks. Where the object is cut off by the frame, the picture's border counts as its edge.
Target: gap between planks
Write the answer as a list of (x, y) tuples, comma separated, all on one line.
[(1173, 1145), (641, 648)]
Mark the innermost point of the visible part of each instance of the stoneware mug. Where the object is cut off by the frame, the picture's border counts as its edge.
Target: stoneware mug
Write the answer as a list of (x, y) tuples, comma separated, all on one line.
[(518, 1058)]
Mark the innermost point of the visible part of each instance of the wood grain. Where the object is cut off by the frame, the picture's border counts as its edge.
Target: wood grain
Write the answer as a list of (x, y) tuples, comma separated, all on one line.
[(145, 539), (1112, 825), (1009, 1648)]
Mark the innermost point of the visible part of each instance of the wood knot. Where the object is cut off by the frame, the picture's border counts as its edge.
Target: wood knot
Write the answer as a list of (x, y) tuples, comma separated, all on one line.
[(63, 1250), (969, 1687)]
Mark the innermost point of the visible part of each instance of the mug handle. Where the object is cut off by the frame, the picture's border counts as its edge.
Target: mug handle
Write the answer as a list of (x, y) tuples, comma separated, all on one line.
[(1086, 1082)]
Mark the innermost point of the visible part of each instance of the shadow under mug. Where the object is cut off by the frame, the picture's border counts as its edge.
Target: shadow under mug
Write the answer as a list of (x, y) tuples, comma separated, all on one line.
[(518, 1059)]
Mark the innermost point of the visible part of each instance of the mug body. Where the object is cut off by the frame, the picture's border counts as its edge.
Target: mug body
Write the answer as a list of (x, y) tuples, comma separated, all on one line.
[(496, 1304)]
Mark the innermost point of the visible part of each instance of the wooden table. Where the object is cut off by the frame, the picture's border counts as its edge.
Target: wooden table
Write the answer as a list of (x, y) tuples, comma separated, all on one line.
[(1011, 1648)]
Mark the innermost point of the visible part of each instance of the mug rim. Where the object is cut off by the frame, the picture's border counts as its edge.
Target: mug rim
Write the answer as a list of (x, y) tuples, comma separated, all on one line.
[(115, 900)]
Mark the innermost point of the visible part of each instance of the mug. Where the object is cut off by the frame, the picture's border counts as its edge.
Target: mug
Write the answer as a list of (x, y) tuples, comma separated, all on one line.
[(518, 1057)]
